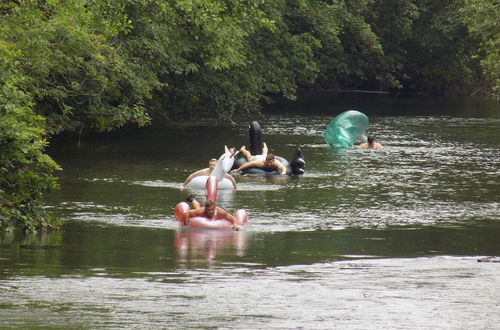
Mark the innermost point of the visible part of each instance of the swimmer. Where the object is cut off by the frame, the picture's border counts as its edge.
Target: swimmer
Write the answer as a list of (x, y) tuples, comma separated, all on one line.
[(269, 162), (207, 171), (210, 210), (370, 144)]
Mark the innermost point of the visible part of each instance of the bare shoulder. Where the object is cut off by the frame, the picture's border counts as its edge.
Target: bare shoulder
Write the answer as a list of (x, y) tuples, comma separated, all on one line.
[(259, 162), (221, 211), (205, 171)]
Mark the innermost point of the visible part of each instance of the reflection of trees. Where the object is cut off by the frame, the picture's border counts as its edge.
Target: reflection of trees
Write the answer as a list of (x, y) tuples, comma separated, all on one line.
[(35, 239), (31, 252), (205, 244)]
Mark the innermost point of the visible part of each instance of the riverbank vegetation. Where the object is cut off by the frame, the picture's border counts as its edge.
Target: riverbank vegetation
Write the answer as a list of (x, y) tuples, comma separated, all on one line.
[(83, 66)]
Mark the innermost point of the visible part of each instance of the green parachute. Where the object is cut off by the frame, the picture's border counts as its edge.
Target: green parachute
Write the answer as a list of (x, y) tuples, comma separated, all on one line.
[(345, 129)]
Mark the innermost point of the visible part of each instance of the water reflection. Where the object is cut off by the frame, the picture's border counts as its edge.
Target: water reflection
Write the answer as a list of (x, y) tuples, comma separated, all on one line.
[(207, 245), (389, 237)]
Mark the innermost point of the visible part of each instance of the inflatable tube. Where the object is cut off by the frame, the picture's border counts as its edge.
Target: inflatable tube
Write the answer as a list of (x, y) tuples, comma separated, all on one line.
[(240, 215), (224, 165), (296, 167), (346, 129)]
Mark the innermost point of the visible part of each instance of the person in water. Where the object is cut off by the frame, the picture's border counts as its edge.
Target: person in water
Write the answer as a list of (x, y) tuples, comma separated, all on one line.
[(207, 171), (370, 144), (248, 154), (210, 210), (269, 162)]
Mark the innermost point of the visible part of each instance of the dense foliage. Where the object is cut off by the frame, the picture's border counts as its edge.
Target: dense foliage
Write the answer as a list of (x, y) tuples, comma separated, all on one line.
[(88, 65), (25, 171), (481, 18)]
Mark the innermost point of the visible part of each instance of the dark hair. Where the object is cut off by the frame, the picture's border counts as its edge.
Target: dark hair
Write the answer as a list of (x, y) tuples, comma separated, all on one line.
[(371, 139), (208, 203), (269, 157)]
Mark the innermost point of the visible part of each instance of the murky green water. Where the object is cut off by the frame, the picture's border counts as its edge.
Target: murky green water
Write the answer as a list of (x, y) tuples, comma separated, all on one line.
[(365, 239)]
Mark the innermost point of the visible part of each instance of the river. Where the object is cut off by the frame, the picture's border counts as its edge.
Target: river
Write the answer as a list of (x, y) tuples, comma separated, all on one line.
[(365, 239)]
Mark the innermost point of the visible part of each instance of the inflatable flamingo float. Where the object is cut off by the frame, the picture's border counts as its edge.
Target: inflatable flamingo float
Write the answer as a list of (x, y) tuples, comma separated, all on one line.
[(211, 186)]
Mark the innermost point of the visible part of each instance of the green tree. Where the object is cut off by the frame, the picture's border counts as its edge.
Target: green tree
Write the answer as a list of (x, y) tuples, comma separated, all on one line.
[(78, 79), (25, 171), (346, 52), (438, 53), (482, 21), (215, 58), (393, 22)]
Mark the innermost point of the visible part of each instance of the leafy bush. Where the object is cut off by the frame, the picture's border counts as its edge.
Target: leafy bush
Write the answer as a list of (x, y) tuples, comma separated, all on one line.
[(25, 171)]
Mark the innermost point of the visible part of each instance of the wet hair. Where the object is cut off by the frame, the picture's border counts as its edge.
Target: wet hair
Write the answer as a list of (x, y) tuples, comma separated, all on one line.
[(371, 139), (269, 157), (209, 203)]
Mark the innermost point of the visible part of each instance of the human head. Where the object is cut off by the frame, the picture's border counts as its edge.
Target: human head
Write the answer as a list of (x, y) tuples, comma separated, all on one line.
[(210, 208), (371, 139), (211, 163), (269, 160)]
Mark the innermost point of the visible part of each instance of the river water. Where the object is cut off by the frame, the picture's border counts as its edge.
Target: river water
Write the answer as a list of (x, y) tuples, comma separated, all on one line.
[(373, 239)]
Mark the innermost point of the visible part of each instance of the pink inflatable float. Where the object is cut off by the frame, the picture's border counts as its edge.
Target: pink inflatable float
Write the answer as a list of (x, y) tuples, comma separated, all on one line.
[(216, 222)]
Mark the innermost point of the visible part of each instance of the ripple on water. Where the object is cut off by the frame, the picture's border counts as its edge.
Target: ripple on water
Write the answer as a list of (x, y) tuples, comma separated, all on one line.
[(418, 293)]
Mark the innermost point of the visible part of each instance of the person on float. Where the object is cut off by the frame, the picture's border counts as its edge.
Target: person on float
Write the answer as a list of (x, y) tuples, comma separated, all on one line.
[(370, 144), (248, 154), (210, 210), (207, 171), (269, 162)]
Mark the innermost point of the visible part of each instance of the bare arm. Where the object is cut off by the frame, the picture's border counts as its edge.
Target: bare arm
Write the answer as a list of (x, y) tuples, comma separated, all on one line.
[(204, 171), (255, 163), (222, 213), (230, 178), (280, 167), (192, 213)]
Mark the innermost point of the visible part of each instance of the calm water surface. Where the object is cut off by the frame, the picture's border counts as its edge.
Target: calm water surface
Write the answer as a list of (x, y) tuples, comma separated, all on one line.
[(365, 239)]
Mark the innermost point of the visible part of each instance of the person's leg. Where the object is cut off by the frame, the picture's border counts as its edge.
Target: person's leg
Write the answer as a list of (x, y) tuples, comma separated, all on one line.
[(264, 148), (194, 203), (246, 153)]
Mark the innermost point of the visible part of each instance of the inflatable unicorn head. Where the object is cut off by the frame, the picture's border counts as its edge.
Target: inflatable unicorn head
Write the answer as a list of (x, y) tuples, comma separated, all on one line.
[(224, 164)]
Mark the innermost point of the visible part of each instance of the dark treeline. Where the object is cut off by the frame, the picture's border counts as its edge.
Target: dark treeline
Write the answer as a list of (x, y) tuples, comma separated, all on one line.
[(91, 66)]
